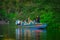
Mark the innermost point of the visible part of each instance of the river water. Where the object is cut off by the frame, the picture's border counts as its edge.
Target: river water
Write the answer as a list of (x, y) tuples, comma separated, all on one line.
[(31, 34), (15, 33)]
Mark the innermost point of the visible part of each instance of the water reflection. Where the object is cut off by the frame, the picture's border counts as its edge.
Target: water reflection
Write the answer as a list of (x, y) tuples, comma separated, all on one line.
[(28, 34)]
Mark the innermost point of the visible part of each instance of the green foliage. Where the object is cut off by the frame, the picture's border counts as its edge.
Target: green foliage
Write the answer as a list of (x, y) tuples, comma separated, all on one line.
[(46, 17), (21, 9), (12, 16)]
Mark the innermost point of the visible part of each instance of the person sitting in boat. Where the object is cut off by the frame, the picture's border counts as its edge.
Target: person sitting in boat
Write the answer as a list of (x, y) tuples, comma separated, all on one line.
[(38, 19), (18, 22), (24, 22), (30, 21)]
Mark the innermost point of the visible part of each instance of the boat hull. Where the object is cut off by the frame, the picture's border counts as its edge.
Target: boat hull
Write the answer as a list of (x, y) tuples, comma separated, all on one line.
[(34, 26)]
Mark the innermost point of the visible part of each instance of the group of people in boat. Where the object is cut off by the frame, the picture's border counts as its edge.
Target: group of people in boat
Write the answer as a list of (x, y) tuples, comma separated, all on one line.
[(28, 21)]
